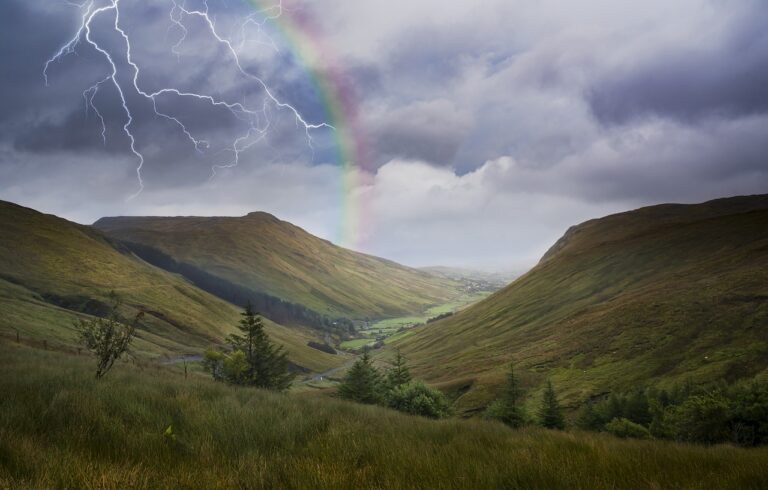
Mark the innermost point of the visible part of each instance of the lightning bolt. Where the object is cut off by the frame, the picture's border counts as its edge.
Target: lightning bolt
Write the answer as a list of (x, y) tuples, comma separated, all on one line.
[(257, 119)]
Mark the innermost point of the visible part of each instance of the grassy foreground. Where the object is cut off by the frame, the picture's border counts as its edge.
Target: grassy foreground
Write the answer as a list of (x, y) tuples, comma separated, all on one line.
[(59, 428)]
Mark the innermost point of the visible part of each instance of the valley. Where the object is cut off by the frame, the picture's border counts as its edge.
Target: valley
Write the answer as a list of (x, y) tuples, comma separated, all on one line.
[(388, 330), (351, 245), (647, 300)]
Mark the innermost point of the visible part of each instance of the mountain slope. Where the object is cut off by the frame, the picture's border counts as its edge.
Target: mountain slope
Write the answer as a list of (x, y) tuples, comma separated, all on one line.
[(262, 254), (654, 295), (52, 270)]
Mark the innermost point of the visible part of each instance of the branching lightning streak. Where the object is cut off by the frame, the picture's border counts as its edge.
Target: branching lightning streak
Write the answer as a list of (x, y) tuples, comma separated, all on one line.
[(257, 119), (88, 95)]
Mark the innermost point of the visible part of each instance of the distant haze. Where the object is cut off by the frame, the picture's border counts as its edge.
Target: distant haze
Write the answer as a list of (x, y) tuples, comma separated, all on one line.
[(491, 126)]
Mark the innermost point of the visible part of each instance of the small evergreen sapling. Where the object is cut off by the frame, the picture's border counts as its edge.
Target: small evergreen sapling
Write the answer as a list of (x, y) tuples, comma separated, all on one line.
[(550, 414), (253, 361), (363, 383), (398, 374), (508, 408)]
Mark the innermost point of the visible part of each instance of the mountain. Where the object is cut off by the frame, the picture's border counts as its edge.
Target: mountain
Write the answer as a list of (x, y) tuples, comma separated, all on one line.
[(258, 254), (53, 271), (652, 296)]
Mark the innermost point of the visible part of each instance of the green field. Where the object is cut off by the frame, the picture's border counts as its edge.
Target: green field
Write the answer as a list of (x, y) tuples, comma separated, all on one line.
[(356, 343), (60, 428), (390, 327)]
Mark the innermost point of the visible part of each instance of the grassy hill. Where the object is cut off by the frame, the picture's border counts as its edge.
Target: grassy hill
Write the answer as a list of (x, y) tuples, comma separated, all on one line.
[(52, 271), (260, 253), (652, 296), (60, 428)]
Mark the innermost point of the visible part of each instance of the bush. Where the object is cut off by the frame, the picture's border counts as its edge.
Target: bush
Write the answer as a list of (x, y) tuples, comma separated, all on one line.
[(701, 418), (626, 429), (749, 413), (419, 399), (107, 338)]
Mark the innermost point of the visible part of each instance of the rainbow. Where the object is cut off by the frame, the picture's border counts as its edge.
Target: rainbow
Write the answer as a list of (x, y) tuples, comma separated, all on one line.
[(339, 102)]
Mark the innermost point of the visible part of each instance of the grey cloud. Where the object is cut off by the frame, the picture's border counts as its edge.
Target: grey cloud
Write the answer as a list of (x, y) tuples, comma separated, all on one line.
[(690, 83), (431, 131)]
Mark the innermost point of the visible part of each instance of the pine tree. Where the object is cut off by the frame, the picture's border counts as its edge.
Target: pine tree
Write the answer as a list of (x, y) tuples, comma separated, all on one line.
[(508, 408), (265, 366), (550, 415), (363, 382), (398, 374)]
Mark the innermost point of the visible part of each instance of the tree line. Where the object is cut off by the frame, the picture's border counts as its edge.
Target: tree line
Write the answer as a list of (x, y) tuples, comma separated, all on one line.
[(705, 414)]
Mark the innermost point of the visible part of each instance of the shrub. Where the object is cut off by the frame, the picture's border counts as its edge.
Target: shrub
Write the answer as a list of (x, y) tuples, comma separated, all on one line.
[(419, 399), (749, 413), (701, 418), (626, 429), (107, 338)]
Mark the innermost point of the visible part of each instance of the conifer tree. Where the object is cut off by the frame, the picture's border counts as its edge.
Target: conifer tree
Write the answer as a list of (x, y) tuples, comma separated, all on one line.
[(398, 374), (363, 382), (550, 414), (508, 408), (254, 360)]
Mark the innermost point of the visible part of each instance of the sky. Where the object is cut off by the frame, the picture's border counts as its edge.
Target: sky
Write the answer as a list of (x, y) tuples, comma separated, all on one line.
[(479, 130)]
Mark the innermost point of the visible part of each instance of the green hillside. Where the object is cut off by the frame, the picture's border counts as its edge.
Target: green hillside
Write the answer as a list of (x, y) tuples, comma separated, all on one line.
[(652, 296), (263, 254), (52, 270), (61, 428)]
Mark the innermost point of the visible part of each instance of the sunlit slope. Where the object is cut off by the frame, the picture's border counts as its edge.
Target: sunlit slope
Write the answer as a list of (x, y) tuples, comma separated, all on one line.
[(654, 295), (264, 254), (52, 270)]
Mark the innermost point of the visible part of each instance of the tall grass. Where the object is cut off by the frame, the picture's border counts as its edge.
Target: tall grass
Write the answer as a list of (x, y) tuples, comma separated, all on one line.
[(60, 428)]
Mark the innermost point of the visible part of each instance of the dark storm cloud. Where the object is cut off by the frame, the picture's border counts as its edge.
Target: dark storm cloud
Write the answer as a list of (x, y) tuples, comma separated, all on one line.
[(689, 83), (29, 34), (52, 122), (76, 132)]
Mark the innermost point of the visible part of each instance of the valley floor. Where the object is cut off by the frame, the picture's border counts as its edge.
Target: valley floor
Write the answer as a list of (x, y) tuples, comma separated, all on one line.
[(392, 329), (154, 428)]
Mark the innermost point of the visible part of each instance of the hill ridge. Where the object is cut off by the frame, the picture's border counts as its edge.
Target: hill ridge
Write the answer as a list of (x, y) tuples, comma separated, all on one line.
[(652, 296), (262, 253)]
